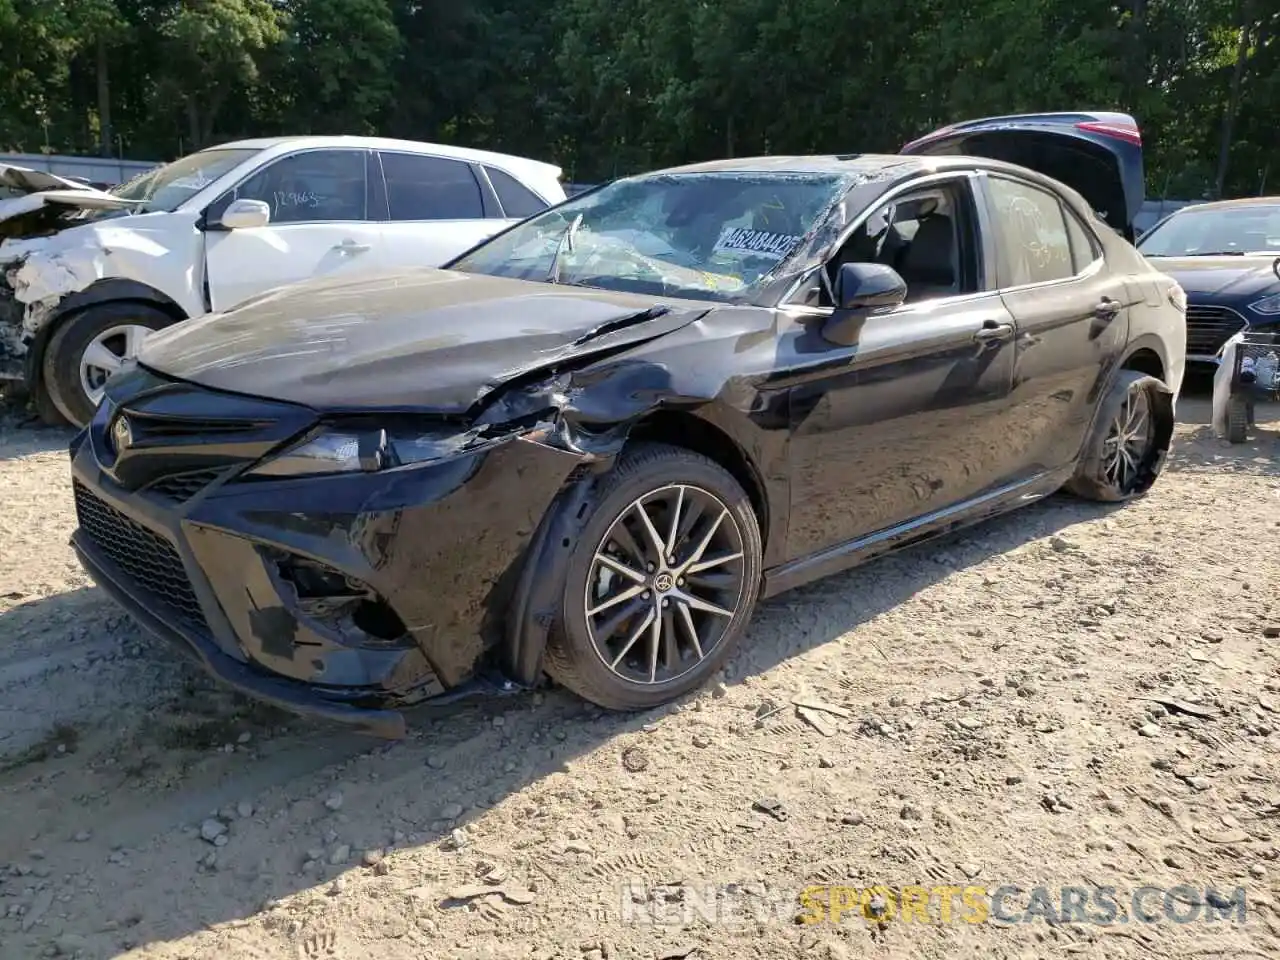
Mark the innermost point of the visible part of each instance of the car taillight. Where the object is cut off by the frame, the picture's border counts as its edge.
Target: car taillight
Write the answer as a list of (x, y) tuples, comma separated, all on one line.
[(1178, 297), (1119, 132)]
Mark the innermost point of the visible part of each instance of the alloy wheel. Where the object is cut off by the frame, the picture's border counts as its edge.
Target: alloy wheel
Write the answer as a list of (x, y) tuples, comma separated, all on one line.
[(665, 583), (106, 354), (1128, 443)]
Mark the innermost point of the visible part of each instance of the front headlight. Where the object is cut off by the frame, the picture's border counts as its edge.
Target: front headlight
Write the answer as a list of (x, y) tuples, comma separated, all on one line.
[(328, 452), (335, 450), (1267, 306)]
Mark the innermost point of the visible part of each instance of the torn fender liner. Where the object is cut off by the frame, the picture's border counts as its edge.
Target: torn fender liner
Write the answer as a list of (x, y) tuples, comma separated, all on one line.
[(539, 591), (432, 340)]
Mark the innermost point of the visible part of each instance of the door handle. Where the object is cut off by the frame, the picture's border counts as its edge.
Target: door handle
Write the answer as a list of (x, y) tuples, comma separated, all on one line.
[(350, 246), (1106, 309), (991, 332)]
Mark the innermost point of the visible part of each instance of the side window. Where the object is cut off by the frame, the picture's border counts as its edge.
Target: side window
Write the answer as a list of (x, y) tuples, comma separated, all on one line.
[(430, 188), (1031, 234), (317, 185), (926, 235), (1085, 248), (517, 200)]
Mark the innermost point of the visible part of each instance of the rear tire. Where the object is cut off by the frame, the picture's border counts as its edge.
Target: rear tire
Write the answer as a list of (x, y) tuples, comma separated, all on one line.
[(69, 372), (631, 636), (1126, 449)]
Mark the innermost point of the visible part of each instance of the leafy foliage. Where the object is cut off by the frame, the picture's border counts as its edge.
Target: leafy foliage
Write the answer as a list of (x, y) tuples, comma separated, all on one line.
[(605, 87)]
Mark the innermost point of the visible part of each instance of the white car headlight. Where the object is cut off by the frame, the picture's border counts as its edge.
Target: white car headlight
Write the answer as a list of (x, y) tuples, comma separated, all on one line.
[(1267, 306)]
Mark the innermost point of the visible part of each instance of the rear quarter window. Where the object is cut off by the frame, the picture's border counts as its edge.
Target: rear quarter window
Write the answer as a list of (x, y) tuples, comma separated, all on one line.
[(517, 200), (1085, 247)]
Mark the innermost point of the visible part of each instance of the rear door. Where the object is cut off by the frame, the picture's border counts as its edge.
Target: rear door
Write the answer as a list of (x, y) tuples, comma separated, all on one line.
[(1097, 154), (437, 207), (1071, 313)]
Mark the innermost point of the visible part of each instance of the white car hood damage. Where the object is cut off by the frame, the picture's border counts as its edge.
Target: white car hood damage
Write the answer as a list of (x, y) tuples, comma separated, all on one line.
[(41, 271)]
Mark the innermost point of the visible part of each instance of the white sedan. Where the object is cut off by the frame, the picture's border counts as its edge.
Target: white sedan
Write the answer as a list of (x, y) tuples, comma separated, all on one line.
[(86, 274)]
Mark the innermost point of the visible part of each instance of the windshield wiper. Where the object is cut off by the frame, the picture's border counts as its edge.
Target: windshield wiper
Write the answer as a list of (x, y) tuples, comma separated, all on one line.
[(564, 243)]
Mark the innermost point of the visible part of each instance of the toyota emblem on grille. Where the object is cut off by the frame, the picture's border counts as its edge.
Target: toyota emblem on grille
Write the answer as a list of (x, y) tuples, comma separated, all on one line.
[(121, 433)]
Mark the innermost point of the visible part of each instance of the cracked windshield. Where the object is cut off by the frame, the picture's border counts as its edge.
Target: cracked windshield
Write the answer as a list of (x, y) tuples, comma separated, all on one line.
[(702, 236), (167, 187)]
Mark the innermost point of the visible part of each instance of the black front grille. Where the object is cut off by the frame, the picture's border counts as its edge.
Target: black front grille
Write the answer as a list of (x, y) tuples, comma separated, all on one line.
[(1208, 328), (183, 486), (148, 559)]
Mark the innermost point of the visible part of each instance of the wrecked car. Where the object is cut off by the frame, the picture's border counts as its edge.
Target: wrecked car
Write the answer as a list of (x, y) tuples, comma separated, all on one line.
[(86, 274), (590, 445)]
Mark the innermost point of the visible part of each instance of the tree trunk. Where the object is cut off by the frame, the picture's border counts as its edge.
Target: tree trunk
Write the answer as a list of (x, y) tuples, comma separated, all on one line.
[(193, 122), (1233, 102), (104, 100), (1138, 59)]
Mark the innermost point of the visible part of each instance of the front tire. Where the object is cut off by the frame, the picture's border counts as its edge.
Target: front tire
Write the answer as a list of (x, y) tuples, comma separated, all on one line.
[(1126, 450), (88, 347), (661, 583), (46, 409)]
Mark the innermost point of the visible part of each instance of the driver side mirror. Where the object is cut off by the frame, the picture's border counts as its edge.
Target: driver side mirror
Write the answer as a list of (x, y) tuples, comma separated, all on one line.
[(859, 289), (244, 214)]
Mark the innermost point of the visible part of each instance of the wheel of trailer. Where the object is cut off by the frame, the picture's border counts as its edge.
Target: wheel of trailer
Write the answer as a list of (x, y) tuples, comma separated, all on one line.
[(1122, 458), (1238, 418), (661, 583), (88, 347)]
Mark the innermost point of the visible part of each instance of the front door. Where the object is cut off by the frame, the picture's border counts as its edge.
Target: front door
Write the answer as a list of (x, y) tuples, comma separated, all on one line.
[(911, 419), (435, 209), (1070, 310), (320, 226)]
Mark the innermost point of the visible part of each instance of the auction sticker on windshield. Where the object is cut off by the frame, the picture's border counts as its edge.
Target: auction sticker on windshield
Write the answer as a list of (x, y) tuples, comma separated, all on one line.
[(775, 246)]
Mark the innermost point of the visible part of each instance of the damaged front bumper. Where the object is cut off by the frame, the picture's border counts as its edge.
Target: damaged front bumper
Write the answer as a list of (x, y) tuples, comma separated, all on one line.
[(13, 347), (348, 597)]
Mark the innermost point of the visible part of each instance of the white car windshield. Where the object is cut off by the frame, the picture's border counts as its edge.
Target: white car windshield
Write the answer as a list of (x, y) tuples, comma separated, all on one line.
[(709, 236), (1216, 231), (167, 188)]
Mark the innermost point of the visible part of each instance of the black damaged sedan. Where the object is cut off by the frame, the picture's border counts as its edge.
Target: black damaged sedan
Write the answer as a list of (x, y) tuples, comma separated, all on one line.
[(590, 445)]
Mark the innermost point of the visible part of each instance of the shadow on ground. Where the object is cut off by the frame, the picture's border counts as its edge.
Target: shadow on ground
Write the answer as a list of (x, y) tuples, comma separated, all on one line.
[(22, 434)]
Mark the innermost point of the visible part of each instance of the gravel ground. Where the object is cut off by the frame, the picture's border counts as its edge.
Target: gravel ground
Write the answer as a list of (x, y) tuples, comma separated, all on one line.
[(1070, 696)]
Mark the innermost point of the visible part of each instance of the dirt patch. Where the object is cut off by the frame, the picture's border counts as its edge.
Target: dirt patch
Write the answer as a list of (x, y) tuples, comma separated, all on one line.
[(1068, 697)]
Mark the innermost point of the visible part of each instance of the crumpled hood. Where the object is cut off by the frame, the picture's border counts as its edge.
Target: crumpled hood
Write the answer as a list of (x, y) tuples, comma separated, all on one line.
[(425, 340), (1221, 276), (23, 190), (26, 180)]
